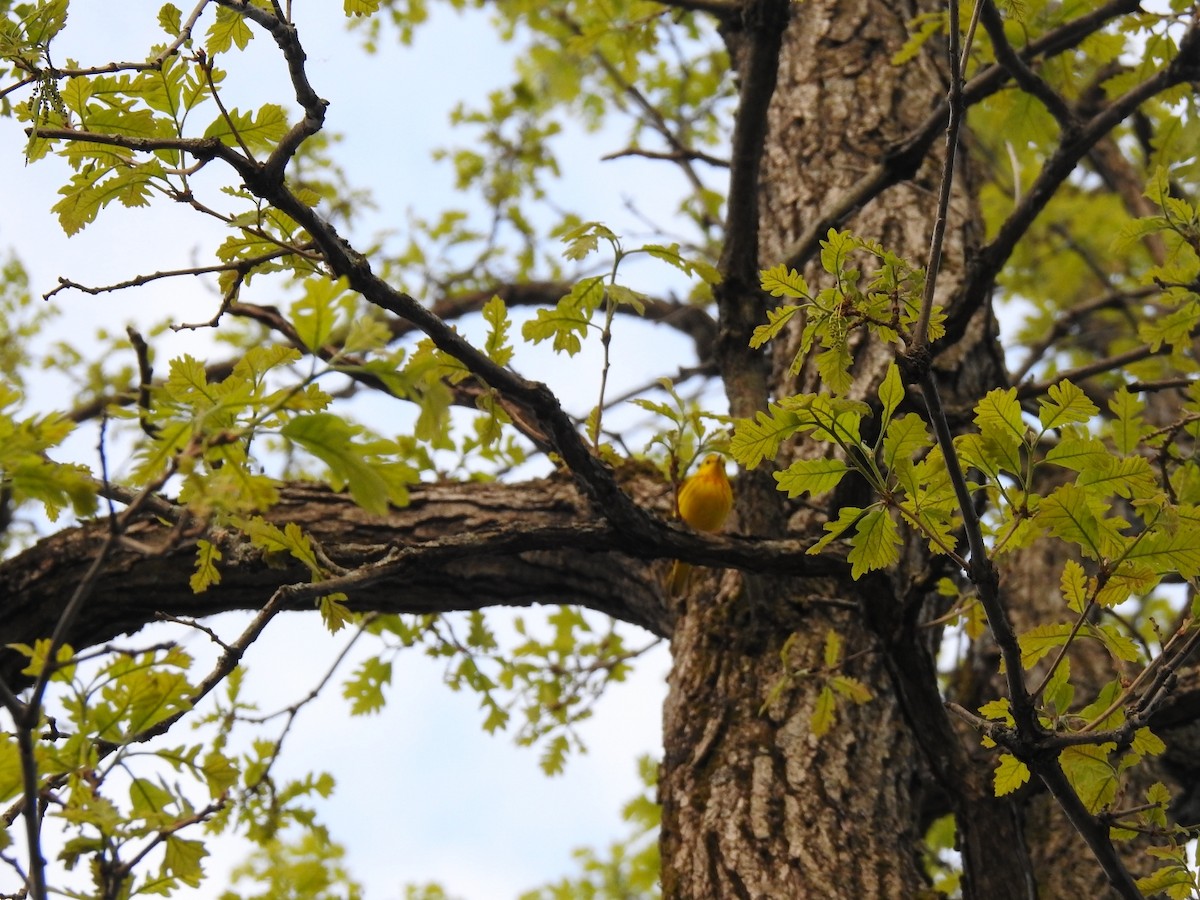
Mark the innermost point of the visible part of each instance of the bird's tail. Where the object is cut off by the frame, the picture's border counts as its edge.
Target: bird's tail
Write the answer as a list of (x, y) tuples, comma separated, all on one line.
[(677, 581)]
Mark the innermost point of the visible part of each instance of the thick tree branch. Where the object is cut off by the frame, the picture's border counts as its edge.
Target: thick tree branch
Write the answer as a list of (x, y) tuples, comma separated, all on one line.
[(454, 547)]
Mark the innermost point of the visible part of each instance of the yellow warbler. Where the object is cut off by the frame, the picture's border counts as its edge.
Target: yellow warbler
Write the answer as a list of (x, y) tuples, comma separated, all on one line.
[(704, 501)]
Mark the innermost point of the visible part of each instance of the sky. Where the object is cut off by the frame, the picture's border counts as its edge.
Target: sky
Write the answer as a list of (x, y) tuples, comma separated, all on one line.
[(423, 794)]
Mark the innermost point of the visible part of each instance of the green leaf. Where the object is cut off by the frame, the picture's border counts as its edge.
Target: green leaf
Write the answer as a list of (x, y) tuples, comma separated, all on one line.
[(1074, 586), (207, 574), (1065, 404), (1104, 703), (11, 773), (220, 773), (1126, 476), (44, 21), (780, 281), (1011, 773), (366, 333), (836, 250), (1078, 453), (851, 688), (497, 347), (1169, 550), (1073, 515), (1040, 640), (360, 7), (182, 859), (568, 322), (274, 540), (777, 320), (833, 648), (1126, 581), (998, 416), (1165, 878), (88, 192), (554, 755), (998, 710), (258, 131), (56, 486), (149, 801), (875, 545), (1091, 774), (1060, 691), (1147, 743), (1132, 232), (170, 19), (920, 29), (833, 365), (670, 254), (148, 696), (905, 437), (824, 712), (38, 658), (891, 391), (362, 466), (315, 315), (1128, 428), (228, 29), (1116, 642), (364, 689), (848, 516), (584, 239), (334, 612), (759, 438), (816, 476)]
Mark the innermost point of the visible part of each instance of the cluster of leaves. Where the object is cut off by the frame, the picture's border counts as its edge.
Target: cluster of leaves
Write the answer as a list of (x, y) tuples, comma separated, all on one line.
[(1119, 491), (27, 473), (154, 103), (570, 320), (131, 798), (690, 432), (836, 686), (550, 678), (308, 865), (887, 306), (86, 752), (623, 62)]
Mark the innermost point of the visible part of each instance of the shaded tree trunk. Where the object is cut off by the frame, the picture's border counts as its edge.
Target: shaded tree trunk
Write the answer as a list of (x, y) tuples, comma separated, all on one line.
[(755, 805)]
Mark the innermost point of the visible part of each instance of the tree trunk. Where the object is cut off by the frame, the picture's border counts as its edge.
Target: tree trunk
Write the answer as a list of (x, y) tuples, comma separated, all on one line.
[(756, 805)]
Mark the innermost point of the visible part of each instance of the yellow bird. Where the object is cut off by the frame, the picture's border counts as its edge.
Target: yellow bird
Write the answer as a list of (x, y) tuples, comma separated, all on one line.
[(705, 500)]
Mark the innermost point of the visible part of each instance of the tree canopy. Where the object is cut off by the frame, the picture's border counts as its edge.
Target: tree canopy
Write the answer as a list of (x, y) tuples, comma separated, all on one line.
[(932, 285)]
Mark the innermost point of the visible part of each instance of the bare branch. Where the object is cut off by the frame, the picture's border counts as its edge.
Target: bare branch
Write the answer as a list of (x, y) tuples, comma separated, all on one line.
[(240, 266), (672, 156)]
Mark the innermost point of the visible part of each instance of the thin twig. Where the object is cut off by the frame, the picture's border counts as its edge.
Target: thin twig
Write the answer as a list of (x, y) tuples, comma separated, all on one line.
[(954, 101)]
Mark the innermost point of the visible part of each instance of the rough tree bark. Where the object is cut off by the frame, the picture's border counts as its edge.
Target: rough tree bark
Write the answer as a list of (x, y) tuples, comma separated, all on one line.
[(754, 805)]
